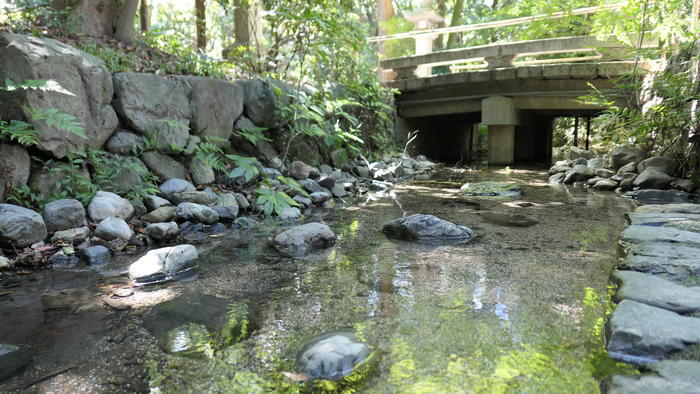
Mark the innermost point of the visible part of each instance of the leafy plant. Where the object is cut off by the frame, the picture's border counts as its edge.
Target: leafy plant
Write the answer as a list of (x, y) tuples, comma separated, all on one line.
[(293, 184), (253, 134), (273, 201), (71, 179), (57, 119), (21, 132), (245, 167), (23, 196)]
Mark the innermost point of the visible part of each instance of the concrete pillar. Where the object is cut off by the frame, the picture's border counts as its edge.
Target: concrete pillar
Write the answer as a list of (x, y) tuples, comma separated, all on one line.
[(499, 114), (501, 144)]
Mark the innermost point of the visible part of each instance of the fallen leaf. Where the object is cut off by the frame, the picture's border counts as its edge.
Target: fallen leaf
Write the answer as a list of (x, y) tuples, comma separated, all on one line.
[(296, 377)]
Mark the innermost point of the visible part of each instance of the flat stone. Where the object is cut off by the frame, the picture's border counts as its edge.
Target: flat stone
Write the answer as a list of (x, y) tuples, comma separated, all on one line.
[(664, 377), (176, 185), (73, 235), (228, 213), (162, 214), (154, 202), (638, 234), (578, 173), (655, 291), (304, 238), (196, 197), (670, 208), (163, 264), (427, 228), (320, 197), (605, 184), (502, 219), (290, 213), (653, 196), (490, 189), (640, 330)]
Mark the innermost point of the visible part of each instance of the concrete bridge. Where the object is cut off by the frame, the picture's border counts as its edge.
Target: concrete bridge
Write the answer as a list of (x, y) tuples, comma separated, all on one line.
[(509, 93)]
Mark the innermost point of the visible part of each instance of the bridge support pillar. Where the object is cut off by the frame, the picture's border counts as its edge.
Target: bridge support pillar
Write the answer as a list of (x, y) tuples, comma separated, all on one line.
[(499, 114), (501, 144)]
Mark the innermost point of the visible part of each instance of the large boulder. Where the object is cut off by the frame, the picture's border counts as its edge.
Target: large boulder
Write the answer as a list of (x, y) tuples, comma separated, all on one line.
[(155, 106), (668, 376), (106, 204), (427, 228), (20, 226), (262, 102), (14, 165), (162, 264), (665, 165), (578, 153), (303, 239), (215, 105), (87, 79), (331, 356), (63, 215), (123, 142), (624, 154), (652, 178), (164, 166)]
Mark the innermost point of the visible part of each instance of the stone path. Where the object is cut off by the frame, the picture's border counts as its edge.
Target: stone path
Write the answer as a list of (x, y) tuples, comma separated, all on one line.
[(659, 300)]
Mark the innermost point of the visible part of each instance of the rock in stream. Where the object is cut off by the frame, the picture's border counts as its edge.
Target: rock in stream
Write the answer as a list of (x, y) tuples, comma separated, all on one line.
[(428, 229)]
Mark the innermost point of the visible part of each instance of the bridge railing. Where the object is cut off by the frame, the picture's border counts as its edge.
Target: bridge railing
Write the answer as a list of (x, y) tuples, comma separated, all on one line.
[(499, 55)]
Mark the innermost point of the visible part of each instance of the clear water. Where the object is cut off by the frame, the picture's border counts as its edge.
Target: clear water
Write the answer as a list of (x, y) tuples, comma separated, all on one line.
[(518, 309)]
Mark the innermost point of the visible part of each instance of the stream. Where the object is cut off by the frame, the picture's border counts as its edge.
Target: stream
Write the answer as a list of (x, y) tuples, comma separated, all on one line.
[(516, 309)]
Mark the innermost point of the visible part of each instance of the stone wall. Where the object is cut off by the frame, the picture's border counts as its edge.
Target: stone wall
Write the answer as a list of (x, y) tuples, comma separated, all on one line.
[(174, 112)]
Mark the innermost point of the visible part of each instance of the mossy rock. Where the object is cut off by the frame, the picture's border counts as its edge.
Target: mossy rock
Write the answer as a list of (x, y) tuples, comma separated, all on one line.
[(490, 189)]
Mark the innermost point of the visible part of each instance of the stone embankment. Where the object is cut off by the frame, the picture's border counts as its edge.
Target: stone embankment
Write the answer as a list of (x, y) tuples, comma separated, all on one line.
[(626, 170), (656, 323)]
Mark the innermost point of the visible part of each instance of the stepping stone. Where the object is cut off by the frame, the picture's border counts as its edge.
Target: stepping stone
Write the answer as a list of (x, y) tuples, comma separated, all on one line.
[(428, 229), (652, 290), (670, 208), (659, 219), (667, 377), (637, 234), (649, 333), (669, 267)]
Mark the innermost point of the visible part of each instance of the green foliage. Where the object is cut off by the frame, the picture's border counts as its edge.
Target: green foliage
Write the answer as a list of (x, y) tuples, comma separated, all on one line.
[(253, 134), (37, 17), (210, 153), (23, 196), (398, 48), (72, 180), (273, 201), (245, 167), (56, 119), (116, 60), (293, 184), (18, 131)]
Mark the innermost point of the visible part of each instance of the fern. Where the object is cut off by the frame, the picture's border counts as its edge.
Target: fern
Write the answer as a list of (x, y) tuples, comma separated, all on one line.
[(245, 167), (59, 120), (18, 131), (273, 201), (23, 196), (253, 134), (35, 84)]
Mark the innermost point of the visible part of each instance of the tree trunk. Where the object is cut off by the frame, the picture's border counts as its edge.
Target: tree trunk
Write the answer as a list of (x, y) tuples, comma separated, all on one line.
[(439, 43), (125, 25), (456, 20), (200, 10), (695, 15), (385, 12), (145, 16), (247, 22)]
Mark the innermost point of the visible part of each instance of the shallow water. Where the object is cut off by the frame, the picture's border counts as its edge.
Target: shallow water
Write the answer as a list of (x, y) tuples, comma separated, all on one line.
[(516, 309)]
